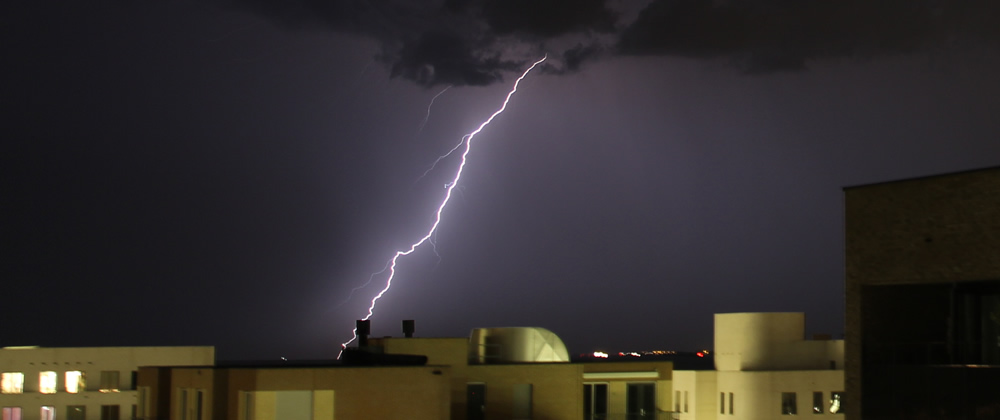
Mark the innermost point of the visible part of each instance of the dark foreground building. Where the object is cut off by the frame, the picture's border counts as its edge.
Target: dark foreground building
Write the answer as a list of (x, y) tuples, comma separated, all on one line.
[(923, 298)]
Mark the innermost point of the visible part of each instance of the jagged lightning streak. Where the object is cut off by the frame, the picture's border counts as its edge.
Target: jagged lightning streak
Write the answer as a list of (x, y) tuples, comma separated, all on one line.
[(449, 187), (428, 116)]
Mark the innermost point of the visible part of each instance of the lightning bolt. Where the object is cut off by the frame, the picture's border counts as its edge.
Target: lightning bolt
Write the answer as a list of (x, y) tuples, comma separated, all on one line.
[(428, 116), (449, 188)]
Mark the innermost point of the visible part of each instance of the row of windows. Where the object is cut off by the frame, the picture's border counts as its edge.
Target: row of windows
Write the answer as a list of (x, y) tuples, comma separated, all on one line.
[(789, 405), (75, 381), (640, 401), (73, 412)]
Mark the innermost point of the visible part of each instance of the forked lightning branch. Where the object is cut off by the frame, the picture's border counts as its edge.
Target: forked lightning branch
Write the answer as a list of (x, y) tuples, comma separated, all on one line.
[(465, 146)]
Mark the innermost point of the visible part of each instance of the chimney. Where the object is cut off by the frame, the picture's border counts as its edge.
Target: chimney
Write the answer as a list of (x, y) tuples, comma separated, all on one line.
[(408, 328), (363, 327)]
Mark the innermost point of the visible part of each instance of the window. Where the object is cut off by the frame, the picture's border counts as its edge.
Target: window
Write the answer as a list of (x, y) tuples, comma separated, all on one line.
[(640, 401), (48, 412), (475, 400), (12, 383), (109, 381), (143, 402), (246, 402), (722, 403), (75, 382), (76, 412), (685, 401), (595, 401), (110, 412), (677, 401), (47, 382), (522, 402), (12, 413), (730, 403), (198, 405), (183, 410), (817, 402), (837, 402), (788, 403)]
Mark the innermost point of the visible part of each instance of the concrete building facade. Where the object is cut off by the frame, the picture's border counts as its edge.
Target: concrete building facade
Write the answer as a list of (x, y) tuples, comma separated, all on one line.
[(765, 369), (923, 297), (88, 383), (457, 382)]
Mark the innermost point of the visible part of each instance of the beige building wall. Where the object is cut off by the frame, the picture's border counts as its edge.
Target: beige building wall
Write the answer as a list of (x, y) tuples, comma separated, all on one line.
[(316, 393), (771, 341), (557, 388), (695, 395), (92, 361), (758, 394), (758, 357)]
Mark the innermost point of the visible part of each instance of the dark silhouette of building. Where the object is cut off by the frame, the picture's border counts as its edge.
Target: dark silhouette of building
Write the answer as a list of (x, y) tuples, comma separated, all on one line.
[(923, 298)]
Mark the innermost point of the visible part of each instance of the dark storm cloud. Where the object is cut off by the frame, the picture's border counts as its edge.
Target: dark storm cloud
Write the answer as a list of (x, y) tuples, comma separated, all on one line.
[(474, 42), (784, 34), (457, 42), (548, 18)]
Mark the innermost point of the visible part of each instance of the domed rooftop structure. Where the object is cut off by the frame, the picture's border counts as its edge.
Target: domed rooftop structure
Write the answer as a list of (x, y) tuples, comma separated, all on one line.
[(516, 345)]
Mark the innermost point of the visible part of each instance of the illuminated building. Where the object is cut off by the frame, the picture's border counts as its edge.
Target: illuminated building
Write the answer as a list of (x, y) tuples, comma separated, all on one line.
[(923, 297), (496, 373), (765, 369), (81, 383)]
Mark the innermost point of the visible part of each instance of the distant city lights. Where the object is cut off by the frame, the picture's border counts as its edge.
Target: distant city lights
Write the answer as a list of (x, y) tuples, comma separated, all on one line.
[(630, 354)]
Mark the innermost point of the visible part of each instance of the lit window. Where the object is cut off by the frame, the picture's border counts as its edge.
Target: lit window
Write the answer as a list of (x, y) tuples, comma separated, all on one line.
[(12, 413), (109, 381), (837, 402), (12, 383), (817, 402), (75, 382), (48, 412), (788, 405), (47, 382)]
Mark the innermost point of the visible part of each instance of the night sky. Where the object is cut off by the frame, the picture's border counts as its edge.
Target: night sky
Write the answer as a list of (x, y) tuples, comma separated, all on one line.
[(226, 172)]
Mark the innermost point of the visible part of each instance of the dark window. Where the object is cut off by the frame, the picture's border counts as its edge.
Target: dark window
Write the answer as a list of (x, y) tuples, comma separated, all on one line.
[(722, 403), (198, 404), (110, 412), (475, 397), (76, 412), (730, 403), (788, 403), (595, 401), (817, 402), (522, 402), (640, 401)]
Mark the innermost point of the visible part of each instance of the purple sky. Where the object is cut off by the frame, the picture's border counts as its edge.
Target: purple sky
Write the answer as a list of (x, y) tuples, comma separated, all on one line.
[(225, 174)]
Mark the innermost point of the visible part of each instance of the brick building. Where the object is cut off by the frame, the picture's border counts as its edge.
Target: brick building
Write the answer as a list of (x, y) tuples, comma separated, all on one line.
[(923, 298)]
